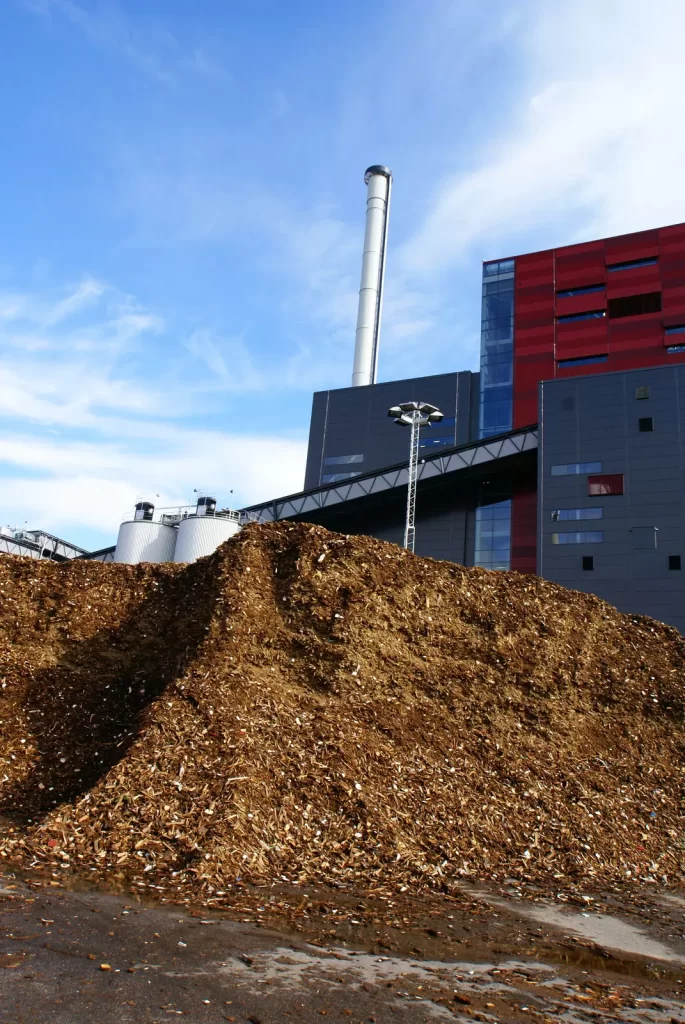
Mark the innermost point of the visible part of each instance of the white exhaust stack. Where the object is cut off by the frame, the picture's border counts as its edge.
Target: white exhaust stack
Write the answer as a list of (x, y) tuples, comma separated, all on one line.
[(379, 182)]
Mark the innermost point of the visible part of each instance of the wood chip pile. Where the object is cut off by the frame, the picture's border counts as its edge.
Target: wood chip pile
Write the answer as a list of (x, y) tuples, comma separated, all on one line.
[(308, 707)]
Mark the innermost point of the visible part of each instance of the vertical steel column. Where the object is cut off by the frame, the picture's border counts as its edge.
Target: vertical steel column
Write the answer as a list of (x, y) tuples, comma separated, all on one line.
[(409, 527)]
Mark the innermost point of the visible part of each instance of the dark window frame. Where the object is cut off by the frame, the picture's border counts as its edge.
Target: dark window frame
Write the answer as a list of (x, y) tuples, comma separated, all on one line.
[(648, 261), (645, 424), (674, 563), (575, 468), (595, 314), (643, 304), (578, 537), (588, 563), (557, 516), (581, 361), (603, 485), (343, 460), (583, 290)]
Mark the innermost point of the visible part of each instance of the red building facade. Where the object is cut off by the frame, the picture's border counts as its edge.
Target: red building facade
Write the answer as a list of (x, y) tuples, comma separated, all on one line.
[(609, 305), (637, 285)]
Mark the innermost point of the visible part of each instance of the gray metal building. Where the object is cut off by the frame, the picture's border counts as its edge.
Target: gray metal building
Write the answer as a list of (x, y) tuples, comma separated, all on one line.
[(611, 494), (350, 432)]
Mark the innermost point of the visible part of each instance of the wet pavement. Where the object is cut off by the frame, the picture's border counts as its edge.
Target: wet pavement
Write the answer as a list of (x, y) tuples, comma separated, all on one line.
[(500, 955)]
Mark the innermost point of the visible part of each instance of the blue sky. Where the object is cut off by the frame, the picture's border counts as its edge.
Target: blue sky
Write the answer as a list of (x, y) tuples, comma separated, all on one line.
[(182, 206)]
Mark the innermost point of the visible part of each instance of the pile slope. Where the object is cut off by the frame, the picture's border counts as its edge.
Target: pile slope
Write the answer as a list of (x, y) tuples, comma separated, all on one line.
[(307, 706)]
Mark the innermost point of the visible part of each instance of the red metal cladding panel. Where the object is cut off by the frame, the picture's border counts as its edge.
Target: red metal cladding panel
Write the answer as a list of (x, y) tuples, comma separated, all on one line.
[(637, 359), (535, 269), (530, 371), (578, 249), (672, 260), (637, 329), (673, 305), (673, 235), (524, 528), (579, 265), (581, 370), (569, 304), (591, 335), (635, 281), (533, 332), (574, 348), (675, 357), (638, 246)]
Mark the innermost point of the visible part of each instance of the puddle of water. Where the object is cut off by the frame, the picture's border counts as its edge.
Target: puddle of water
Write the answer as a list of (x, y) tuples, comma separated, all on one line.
[(607, 931), (295, 969), (531, 984)]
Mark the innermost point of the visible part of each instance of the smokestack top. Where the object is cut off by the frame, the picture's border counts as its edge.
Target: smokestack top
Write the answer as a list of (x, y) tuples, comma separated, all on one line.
[(376, 169)]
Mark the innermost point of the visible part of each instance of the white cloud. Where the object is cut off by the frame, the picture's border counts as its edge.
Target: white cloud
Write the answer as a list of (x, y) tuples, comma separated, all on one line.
[(87, 429), (593, 139), (66, 485), (228, 360), (86, 292)]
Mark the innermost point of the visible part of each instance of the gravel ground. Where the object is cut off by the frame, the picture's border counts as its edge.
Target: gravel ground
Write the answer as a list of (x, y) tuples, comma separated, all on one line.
[(69, 957)]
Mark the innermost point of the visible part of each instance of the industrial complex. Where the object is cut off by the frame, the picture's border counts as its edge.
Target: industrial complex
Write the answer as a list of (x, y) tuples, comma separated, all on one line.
[(562, 457)]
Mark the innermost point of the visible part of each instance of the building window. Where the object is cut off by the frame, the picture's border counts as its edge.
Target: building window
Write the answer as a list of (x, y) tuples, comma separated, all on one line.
[(629, 264), (581, 361), (498, 267), (342, 460), (645, 424), (598, 314), (563, 515), (584, 537), (573, 468), (674, 562), (436, 442), (634, 305), (585, 290), (334, 478), (680, 329), (588, 563), (641, 393), (497, 348), (610, 483), (675, 348), (493, 535)]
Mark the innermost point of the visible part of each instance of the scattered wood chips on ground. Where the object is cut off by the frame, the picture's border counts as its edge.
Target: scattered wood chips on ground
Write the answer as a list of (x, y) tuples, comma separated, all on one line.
[(303, 706)]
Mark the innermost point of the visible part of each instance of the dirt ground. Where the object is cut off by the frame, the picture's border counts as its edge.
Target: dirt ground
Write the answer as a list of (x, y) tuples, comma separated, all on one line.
[(499, 955)]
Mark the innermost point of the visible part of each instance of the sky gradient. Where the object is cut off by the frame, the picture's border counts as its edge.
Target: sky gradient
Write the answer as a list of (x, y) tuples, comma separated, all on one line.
[(182, 211)]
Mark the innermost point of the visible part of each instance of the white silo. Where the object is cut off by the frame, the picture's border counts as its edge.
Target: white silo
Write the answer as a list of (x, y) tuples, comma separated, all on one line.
[(202, 533), (144, 540)]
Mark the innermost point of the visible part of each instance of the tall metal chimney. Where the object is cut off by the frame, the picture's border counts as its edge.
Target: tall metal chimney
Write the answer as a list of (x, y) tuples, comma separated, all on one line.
[(379, 182)]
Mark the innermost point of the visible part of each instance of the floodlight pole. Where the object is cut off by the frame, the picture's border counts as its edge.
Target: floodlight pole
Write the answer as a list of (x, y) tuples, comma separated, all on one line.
[(414, 415), (409, 527)]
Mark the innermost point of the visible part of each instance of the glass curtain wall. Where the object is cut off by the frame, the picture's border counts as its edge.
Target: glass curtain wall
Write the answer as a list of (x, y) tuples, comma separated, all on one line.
[(493, 535), (497, 348)]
